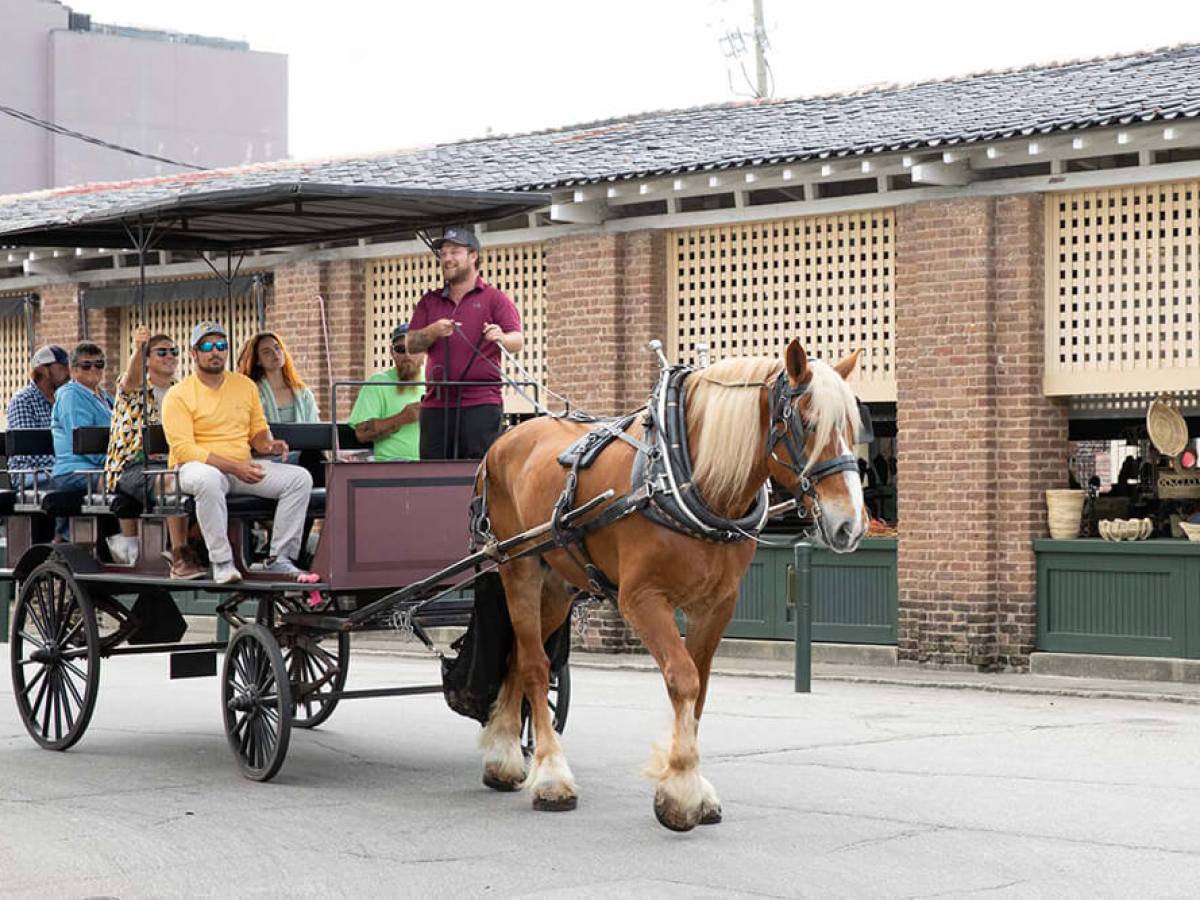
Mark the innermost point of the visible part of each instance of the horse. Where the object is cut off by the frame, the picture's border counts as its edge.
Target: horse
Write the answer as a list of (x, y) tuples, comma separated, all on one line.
[(747, 418)]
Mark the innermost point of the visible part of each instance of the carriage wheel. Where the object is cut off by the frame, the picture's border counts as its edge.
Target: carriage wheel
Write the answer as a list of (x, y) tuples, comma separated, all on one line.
[(256, 701), (316, 670), (55, 653), (559, 697)]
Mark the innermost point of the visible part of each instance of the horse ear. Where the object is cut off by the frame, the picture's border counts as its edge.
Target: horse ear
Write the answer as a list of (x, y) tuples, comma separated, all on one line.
[(846, 366), (797, 362)]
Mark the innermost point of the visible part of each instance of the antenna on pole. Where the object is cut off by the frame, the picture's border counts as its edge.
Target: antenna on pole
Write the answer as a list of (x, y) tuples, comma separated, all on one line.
[(735, 45), (760, 54)]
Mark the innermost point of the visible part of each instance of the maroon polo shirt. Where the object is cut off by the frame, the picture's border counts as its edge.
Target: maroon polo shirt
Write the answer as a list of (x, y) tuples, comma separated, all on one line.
[(453, 358)]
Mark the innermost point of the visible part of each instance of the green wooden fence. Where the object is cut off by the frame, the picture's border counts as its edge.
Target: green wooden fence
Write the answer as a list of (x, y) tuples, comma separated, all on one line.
[(854, 595), (1132, 598)]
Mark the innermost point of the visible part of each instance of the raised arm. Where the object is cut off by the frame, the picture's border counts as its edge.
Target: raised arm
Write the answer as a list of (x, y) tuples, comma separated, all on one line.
[(131, 378)]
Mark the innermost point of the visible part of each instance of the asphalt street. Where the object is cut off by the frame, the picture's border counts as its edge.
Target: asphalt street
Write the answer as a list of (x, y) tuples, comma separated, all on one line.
[(856, 790)]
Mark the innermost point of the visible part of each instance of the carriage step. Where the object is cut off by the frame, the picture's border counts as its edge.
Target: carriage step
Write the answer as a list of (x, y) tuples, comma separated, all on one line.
[(202, 664)]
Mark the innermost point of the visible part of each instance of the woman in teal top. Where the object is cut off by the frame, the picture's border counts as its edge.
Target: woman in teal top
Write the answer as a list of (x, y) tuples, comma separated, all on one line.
[(265, 361)]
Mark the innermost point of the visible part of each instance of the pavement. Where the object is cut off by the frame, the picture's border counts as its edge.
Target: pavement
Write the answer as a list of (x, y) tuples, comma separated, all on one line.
[(859, 789)]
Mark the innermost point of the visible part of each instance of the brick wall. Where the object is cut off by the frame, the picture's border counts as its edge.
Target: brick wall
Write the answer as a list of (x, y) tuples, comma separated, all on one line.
[(293, 311), (1031, 429), (978, 442), (945, 359), (605, 298), (58, 315)]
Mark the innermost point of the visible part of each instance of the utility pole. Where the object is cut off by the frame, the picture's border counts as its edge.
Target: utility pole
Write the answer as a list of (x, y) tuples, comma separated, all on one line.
[(760, 58)]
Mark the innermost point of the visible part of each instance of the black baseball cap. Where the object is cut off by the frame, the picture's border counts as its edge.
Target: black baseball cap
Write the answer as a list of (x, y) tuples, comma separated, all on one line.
[(400, 331), (458, 235)]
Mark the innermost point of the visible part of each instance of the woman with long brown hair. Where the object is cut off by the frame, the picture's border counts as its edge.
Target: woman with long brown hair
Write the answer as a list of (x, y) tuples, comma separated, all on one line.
[(265, 361)]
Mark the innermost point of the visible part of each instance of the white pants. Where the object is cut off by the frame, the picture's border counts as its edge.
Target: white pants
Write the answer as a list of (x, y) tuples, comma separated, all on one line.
[(290, 485)]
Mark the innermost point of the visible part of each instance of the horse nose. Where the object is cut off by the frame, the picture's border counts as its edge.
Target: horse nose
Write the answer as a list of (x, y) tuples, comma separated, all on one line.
[(845, 534)]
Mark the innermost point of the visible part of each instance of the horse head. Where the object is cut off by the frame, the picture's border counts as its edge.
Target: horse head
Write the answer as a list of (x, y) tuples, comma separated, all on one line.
[(814, 423)]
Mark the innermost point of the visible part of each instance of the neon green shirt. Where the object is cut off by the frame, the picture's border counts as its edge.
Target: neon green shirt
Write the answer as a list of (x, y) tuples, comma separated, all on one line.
[(382, 402)]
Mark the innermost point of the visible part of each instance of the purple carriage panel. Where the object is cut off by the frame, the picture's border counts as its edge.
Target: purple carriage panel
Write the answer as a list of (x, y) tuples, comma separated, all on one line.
[(393, 523)]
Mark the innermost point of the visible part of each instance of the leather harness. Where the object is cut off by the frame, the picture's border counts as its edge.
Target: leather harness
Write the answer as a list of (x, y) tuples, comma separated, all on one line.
[(663, 488)]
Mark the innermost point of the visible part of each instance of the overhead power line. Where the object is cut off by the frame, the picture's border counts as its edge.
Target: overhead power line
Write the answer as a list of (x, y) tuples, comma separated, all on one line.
[(91, 139)]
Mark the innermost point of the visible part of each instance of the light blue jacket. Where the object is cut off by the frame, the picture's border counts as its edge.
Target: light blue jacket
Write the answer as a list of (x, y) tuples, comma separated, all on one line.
[(305, 403), (77, 407)]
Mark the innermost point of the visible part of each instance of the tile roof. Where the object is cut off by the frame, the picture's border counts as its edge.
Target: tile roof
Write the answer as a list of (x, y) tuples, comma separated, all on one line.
[(1162, 84)]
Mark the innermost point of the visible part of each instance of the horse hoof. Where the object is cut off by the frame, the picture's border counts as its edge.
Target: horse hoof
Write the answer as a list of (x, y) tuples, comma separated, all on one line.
[(712, 817), (497, 784), (674, 824), (555, 804)]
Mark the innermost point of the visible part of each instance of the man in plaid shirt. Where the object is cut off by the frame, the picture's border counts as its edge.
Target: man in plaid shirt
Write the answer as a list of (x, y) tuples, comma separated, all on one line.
[(30, 406)]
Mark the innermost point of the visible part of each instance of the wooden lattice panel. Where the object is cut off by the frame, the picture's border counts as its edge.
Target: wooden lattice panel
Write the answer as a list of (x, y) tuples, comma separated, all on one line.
[(178, 319), (396, 284), (1122, 298), (748, 288), (14, 360)]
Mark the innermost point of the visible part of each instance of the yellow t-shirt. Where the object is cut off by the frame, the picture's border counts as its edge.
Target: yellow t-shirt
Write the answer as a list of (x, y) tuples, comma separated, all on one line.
[(198, 420)]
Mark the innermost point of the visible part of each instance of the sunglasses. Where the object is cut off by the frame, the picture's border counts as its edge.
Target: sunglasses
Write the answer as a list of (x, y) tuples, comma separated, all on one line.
[(209, 346), (90, 364), (165, 351), (399, 347)]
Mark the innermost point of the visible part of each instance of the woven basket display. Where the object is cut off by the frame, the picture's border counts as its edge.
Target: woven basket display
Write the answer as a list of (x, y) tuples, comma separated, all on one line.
[(1166, 426), (1190, 529), (1125, 529), (1064, 509)]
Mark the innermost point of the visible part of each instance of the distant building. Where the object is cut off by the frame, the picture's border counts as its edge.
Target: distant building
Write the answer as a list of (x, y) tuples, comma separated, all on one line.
[(205, 101)]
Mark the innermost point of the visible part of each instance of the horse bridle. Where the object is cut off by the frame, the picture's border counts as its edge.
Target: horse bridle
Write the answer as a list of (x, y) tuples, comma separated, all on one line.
[(783, 399)]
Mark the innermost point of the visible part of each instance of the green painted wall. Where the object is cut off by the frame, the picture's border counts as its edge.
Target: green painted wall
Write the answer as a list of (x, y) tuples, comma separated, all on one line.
[(1131, 598)]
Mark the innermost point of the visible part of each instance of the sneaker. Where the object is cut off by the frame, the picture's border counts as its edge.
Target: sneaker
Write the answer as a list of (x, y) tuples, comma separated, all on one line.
[(225, 572), (184, 568), (281, 565), (124, 550)]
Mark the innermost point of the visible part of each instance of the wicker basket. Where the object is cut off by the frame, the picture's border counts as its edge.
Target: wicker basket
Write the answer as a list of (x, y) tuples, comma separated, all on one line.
[(1166, 426), (1065, 510), (1125, 529), (1174, 485), (1190, 529)]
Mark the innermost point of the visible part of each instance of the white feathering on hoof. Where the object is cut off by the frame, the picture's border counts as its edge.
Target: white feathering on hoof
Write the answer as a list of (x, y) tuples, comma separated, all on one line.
[(551, 778)]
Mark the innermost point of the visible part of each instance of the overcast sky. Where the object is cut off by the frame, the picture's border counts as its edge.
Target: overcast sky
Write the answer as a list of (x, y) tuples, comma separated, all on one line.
[(368, 76)]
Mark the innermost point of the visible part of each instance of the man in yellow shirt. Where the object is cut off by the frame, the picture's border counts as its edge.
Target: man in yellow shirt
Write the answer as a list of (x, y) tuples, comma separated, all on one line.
[(212, 420)]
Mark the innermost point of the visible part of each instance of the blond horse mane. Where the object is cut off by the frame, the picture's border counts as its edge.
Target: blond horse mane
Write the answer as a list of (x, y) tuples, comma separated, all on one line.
[(726, 416)]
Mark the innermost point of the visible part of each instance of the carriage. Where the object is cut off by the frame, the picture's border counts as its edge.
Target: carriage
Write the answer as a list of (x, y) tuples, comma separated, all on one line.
[(659, 510), (391, 552)]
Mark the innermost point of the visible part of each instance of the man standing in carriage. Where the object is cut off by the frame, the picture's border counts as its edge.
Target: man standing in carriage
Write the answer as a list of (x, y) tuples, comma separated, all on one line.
[(463, 327)]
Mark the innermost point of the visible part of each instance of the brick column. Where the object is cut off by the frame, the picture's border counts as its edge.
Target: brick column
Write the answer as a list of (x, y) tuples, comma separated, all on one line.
[(1031, 429), (104, 329), (583, 285), (294, 312), (978, 441), (58, 315), (946, 476), (605, 299), (642, 314)]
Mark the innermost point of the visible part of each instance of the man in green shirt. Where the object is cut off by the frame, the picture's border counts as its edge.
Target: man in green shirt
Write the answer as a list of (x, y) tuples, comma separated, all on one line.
[(387, 416)]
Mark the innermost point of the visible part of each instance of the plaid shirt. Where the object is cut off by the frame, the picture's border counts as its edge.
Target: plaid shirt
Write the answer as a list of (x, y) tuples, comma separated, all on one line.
[(29, 408)]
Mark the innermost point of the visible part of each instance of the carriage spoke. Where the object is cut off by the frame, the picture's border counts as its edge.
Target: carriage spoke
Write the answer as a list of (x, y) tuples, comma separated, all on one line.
[(33, 682), (35, 612), (74, 668), (58, 702), (28, 637), (69, 682), (73, 633)]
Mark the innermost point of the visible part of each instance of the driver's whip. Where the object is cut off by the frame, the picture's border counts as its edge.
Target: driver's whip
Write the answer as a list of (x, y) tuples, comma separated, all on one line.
[(328, 355)]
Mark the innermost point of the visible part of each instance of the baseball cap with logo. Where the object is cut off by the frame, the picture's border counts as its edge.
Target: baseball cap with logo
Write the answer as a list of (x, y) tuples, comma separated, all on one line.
[(50, 353), (207, 328), (457, 235)]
